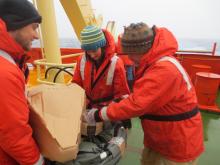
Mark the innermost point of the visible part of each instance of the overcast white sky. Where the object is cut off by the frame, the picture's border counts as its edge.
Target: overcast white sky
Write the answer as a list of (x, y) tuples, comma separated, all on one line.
[(185, 18)]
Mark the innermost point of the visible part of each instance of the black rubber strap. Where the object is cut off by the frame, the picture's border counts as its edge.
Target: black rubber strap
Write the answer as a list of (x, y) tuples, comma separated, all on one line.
[(178, 117)]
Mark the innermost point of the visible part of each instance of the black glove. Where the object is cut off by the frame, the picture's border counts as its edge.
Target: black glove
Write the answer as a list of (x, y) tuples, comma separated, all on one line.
[(49, 162), (127, 123)]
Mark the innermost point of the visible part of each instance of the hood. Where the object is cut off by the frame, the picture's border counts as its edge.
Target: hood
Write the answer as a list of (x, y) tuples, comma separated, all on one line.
[(110, 44), (164, 44), (8, 44)]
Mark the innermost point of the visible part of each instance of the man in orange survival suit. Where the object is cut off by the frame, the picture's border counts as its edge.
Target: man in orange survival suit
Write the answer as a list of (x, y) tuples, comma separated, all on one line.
[(18, 23), (163, 98)]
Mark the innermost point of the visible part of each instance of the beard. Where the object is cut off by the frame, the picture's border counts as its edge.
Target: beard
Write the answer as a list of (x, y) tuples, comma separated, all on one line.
[(26, 45)]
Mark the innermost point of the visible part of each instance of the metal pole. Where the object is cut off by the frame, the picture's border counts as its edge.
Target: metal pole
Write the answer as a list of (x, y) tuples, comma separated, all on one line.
[(50, 35), (214, 49)]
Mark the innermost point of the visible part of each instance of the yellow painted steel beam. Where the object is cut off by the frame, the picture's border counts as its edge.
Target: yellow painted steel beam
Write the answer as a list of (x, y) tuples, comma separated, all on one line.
[(50, 35), (80, 14)]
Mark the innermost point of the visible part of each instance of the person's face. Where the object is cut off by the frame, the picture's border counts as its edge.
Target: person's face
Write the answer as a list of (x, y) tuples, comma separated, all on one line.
[(95, 54), (26, 35), (136, 58)]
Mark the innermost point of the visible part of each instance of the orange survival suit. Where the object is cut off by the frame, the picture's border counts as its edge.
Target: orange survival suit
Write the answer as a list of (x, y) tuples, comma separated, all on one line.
[(163, 88), (16, 143)]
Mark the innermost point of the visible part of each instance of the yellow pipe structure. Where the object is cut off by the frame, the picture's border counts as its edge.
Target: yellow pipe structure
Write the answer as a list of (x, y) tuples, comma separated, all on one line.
[(75, 15), (50, 35), (80, 14)]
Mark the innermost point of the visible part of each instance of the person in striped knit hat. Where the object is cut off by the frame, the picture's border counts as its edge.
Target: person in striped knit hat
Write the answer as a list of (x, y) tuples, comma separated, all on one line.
[(99, 71)]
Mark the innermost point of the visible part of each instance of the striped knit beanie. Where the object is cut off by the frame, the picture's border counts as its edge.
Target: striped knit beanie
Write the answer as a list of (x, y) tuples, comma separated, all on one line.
[(92, 38), (137, 38)]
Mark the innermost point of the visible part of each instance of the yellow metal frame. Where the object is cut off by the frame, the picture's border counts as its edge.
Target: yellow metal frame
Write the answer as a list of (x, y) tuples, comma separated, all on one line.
[(80, 14), (49, 34), (43, 63)]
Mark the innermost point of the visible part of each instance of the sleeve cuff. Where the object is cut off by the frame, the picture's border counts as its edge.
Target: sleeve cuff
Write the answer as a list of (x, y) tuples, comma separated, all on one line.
[(103, 114)]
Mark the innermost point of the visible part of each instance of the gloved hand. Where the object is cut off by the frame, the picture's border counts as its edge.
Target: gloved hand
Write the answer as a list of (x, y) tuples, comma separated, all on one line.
[(89, 116), (127, 123), (49, 162)]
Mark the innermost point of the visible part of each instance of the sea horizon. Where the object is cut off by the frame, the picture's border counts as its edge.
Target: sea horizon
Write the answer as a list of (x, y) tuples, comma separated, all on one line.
[(184, 44)]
